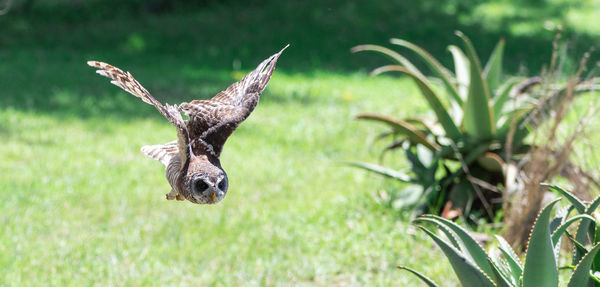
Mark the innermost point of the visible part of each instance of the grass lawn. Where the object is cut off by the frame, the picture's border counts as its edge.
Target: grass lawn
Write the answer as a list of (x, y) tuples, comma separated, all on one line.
[(81, 205)]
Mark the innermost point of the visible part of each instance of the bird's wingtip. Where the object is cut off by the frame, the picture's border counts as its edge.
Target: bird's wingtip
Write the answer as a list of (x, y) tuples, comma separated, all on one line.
[(281, 51), (95, 64)]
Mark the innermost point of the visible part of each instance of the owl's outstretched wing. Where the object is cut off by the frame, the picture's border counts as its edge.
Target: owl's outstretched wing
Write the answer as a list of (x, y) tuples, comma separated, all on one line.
[(125, 81), (212, 121), (247, 91)]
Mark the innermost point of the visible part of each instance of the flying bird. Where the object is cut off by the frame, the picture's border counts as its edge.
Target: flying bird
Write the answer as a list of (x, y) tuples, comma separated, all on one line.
[(192, 164)]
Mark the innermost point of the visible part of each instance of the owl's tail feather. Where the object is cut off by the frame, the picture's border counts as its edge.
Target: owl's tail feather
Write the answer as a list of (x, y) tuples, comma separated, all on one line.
[(163, 153)]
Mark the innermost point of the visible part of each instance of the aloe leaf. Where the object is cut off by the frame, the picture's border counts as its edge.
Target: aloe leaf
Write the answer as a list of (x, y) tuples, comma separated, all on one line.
[(419, 123), (470, 51), (468, 274), (461, 69), (381, 170), (501, 280), (562, 216), (449, 234), (475, 153), (593, 205), (502, 266), (502, 96), (479, 117), (540, 262), (582, 236), (392, 146), (580, 250), (581, 275), (515, 117), (515, 265), (423, 278), (383, 135), (597, 237), (390, 53), (491, 162), (435, 66), (404, 128), (563, 227), (586, 231), (555, 223), (473, 248), (493, 68), (595, 265), (578, 204), (427, 90)]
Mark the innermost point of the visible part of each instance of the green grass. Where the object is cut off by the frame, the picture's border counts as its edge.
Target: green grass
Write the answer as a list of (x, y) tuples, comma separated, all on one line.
[(81, 205)]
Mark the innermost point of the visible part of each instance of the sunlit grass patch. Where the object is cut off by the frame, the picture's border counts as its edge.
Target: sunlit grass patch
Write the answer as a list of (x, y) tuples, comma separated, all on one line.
[(81, 205)]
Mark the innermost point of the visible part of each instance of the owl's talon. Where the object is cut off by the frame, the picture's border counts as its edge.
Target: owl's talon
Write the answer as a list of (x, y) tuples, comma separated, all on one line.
[(172, 195)]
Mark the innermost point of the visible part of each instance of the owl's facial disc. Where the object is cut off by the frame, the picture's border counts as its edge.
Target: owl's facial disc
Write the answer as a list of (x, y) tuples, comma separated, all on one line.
[(209, 190)]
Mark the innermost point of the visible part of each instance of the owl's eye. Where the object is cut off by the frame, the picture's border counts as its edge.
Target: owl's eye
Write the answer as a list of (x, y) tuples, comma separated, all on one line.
[(201, 185), (222, 184)]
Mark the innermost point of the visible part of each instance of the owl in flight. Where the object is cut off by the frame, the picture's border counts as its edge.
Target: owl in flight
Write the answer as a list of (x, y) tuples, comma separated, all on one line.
[(192, 161)]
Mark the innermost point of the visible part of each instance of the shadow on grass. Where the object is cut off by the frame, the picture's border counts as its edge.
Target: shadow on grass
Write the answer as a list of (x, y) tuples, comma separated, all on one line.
[(73, 89), (190, 54)]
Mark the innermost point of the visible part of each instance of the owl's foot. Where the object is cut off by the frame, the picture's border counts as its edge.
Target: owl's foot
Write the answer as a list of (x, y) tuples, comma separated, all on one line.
[(172, 195)]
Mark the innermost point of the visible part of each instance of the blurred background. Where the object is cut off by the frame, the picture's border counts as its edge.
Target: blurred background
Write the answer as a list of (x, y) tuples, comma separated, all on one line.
[(80, 205), (211, 37)]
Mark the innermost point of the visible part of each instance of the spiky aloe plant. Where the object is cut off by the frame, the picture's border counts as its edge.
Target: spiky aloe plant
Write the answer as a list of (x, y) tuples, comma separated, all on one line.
[(481, 118), (474, 267)]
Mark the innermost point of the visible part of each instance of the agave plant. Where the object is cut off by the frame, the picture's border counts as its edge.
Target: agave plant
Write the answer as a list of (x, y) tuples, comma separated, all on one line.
[(474, 267), (458, 161)]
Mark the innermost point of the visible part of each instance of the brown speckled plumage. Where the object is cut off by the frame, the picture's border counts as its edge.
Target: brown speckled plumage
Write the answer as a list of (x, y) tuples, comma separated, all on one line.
[(192, 161)]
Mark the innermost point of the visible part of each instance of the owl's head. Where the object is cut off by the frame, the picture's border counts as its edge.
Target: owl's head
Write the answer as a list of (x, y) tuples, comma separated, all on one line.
[(205, 181)]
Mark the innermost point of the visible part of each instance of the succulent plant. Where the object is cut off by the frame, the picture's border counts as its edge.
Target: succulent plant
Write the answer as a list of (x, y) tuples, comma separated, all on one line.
[(481, 122), (474, 267)]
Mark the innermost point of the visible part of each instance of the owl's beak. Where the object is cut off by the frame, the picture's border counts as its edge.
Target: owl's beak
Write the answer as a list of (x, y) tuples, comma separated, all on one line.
[(214, 196)]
